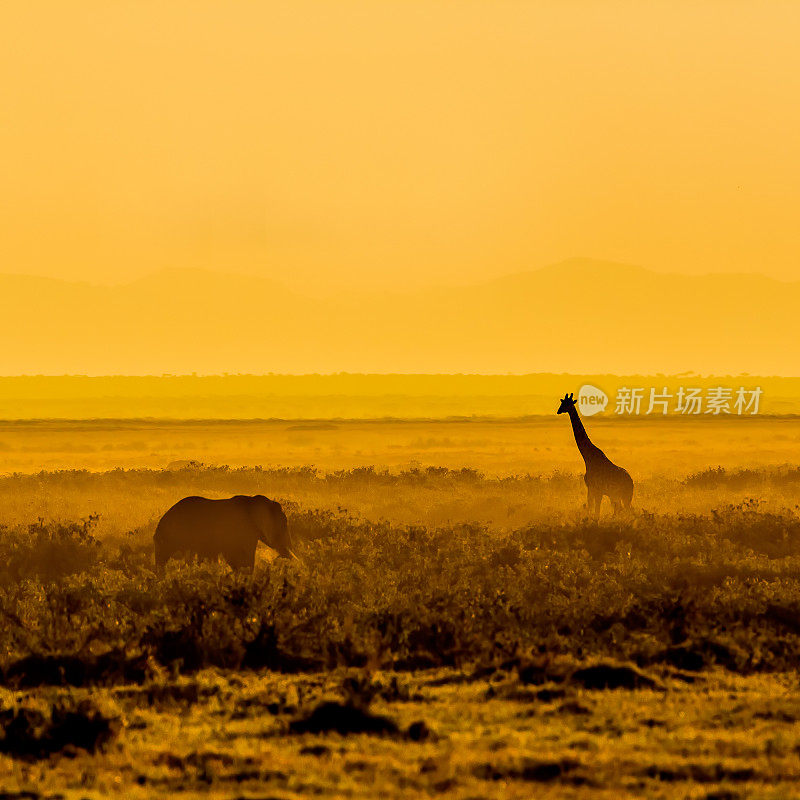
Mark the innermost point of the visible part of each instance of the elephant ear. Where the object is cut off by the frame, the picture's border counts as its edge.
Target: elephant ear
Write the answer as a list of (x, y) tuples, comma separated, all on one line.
[(271, 524)]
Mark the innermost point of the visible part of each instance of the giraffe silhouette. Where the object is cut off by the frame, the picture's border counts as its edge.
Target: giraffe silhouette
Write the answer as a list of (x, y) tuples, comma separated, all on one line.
[(603, 478)]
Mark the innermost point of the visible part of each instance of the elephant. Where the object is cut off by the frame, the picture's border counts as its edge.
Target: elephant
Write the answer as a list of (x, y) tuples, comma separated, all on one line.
[(231, 528)]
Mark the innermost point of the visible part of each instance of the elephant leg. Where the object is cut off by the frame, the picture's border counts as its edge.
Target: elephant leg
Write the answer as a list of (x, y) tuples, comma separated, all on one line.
[(242, 558), (162, 555)]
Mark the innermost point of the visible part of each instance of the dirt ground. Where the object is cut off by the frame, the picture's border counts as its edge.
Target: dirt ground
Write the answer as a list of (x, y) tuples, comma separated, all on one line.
[(713, 735)]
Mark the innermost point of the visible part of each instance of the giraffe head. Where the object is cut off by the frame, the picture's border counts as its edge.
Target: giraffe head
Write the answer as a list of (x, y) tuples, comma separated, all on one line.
[(566, 404)]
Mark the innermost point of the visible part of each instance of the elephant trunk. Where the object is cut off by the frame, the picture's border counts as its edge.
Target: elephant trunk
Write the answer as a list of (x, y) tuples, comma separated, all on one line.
[(284, 540)]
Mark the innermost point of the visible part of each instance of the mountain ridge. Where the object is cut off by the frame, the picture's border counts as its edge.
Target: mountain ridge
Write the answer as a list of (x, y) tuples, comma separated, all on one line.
[(576, 264), (579, 315)]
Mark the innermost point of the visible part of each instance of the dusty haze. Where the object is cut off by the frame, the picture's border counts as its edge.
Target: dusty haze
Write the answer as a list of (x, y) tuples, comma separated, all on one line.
[(397, 143)]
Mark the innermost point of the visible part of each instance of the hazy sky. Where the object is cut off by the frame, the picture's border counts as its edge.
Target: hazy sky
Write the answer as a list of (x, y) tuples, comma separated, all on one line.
[(339, 142)]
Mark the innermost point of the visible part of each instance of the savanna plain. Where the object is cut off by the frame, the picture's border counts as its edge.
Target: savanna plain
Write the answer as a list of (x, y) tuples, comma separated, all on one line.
[(454, 625)]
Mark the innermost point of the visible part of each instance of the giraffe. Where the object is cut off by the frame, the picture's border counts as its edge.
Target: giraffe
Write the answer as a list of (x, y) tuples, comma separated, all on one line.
[(602, 477)]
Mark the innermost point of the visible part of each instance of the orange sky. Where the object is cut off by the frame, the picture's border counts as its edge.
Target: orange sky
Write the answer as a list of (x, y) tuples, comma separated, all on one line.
[(344, 143)]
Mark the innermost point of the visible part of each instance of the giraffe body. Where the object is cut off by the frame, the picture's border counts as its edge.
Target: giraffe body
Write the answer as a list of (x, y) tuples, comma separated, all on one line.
[(603, 478)]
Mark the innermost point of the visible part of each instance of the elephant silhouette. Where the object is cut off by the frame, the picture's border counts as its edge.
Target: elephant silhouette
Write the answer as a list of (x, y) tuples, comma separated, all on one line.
[(231, 528)]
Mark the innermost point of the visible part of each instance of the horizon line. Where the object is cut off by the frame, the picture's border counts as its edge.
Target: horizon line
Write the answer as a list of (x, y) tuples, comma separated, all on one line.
[(345, 373)]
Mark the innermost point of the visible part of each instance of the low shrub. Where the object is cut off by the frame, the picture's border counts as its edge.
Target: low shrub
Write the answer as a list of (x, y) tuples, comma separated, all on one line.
[(686, 591)]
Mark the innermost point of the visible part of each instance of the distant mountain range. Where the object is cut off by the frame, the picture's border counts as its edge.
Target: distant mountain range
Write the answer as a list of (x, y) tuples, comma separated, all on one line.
[(575, 316)]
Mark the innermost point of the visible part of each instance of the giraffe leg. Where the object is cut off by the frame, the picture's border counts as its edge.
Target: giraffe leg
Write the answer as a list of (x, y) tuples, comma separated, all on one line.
[(628, 500), (593, 500), (589, 502), (622, 505)]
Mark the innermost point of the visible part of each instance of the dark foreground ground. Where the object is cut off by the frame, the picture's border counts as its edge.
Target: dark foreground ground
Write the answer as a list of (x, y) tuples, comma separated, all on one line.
[(442, 733)]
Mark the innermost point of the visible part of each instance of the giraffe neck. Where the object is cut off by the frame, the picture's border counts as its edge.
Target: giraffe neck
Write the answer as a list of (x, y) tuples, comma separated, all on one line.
[(585, 446)]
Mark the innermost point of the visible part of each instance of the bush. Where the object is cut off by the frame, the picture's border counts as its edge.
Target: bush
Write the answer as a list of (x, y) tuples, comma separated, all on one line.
[(686, 590), (48, 551)]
